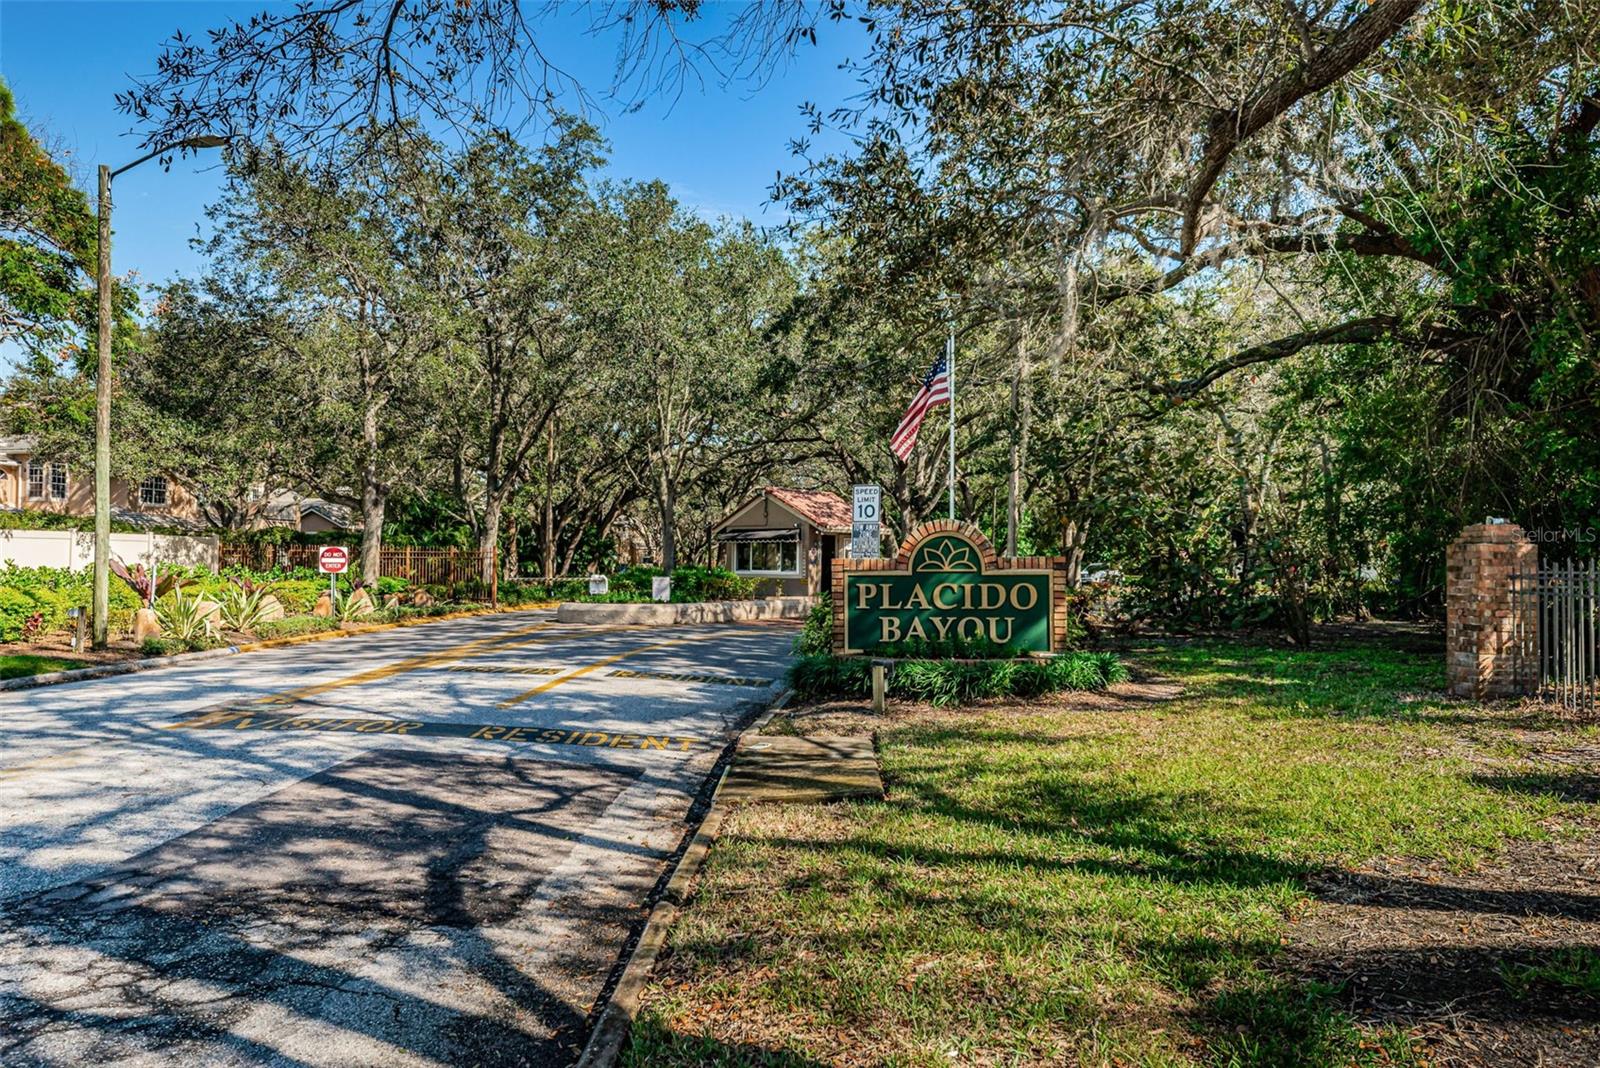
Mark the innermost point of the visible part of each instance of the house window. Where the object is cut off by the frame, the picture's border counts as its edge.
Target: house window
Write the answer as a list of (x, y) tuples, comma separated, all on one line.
[(767, 557), (47, 481), (153, 492)]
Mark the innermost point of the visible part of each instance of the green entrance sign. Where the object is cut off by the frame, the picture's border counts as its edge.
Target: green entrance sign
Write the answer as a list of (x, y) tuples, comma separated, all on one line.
[(945, 592)]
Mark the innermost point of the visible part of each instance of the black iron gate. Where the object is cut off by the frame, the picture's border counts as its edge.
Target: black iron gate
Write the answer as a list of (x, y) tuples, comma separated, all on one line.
[(1554, 626)]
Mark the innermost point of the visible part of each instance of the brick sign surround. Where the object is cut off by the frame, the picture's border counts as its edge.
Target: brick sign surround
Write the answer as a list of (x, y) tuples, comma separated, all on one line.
[(1052, 569)]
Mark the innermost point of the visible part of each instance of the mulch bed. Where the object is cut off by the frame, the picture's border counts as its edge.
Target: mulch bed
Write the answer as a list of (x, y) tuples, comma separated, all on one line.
[(1418, 947), (60, 645)]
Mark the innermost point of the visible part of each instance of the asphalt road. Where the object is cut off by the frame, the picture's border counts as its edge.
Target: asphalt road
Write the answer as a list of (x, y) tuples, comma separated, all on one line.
[(424, 846)]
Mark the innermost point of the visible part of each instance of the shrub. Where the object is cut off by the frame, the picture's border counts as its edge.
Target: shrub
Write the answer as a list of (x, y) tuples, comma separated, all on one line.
[(630, 585), (50, 612), (949, 682), (388, 587), (816, 633), (184, 616), (522, 592), (348, 608), (290, 626), (16, 608), (299, 596), (167, 646), (826, 675), (631, 580), (124, 603), (567, 590), (243, 609), (28, 519), (693, 584)]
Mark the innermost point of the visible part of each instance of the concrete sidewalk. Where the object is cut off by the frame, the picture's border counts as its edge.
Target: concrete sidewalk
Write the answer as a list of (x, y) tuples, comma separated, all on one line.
[(780, 768)]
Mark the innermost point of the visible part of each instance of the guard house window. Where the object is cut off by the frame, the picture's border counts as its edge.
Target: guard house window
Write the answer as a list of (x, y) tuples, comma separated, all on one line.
[(47, 481), (767, 557), (153, 492)]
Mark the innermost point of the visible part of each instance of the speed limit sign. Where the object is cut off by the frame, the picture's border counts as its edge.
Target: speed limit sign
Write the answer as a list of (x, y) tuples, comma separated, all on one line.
[(866, 514)]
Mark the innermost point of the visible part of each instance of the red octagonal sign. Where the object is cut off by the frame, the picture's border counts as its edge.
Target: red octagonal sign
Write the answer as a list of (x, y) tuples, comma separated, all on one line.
[(333, 559)]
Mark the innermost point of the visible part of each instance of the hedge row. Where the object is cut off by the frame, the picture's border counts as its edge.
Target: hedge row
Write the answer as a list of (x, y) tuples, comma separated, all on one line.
[(34, 600), (951, 682)]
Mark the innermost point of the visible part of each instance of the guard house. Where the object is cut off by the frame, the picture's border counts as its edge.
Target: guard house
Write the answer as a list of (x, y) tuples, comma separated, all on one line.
[(788, 535)]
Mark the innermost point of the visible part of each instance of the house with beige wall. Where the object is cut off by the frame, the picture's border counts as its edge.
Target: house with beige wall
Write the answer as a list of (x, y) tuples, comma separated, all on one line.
[(789, 536), (28, 483)]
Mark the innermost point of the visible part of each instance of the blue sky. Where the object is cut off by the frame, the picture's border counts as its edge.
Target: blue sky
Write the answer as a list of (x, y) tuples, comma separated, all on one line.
[(717, 147)]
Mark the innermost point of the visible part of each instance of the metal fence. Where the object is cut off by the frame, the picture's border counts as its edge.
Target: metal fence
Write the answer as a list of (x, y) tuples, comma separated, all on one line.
[(423, 567), (1555, 629)]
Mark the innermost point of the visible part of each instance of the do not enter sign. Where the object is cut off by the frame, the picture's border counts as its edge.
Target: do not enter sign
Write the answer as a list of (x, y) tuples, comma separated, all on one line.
[(333, 560)]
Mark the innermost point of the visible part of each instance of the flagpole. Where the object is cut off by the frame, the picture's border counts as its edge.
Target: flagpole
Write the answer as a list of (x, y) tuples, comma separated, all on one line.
[(950, 365)]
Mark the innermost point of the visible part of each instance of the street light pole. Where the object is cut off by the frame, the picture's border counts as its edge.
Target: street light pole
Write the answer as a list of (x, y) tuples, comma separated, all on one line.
[(102, 390)]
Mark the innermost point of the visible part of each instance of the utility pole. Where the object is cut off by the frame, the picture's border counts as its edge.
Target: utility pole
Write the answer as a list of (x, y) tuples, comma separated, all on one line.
[(102, 388)]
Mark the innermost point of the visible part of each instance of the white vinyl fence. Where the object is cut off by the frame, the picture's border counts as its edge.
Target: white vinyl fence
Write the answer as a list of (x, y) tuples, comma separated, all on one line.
[(75, 549)]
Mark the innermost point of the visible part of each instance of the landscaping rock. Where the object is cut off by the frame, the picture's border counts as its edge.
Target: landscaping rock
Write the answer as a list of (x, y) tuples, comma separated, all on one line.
[(145, 625), (211, 611), (271, 609), (422, 599), (362, 604)]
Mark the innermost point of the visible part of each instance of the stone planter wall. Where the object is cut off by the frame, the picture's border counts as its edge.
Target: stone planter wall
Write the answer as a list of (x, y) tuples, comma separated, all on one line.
[(666, 615)]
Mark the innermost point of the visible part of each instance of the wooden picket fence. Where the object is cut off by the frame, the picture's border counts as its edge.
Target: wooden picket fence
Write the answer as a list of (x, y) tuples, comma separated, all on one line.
[(422, 567)]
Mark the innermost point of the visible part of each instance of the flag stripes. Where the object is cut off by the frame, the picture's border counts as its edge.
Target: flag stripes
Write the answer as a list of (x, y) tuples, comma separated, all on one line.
[(935, 390)]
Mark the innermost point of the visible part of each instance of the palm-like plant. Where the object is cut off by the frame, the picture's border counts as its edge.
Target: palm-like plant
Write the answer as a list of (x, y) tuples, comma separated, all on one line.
[(144, 582), (244, 605), (350, 607), (182, 617)]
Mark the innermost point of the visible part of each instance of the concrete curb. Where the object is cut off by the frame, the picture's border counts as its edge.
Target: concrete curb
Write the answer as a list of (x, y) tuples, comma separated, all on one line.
[(616, 1020), (669, 615), (151, 663)]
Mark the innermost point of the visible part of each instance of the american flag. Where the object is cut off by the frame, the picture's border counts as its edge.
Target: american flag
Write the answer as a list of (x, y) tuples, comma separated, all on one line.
[(935, 390)]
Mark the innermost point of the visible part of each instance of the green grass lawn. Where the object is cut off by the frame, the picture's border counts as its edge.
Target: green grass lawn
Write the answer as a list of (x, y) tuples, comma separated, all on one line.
[(17, 665), (1054, 884)]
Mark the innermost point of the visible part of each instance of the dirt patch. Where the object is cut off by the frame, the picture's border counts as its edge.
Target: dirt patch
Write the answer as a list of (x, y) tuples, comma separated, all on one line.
[(857, 717), (60, 646), (1491, 967)]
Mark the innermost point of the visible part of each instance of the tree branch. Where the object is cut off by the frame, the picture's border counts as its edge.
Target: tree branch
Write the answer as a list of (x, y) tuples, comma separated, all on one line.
[(1229, 129), (1371, 328)]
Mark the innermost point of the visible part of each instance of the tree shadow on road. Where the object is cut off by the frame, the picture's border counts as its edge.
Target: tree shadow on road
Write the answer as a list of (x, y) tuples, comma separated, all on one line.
[(377, 904)]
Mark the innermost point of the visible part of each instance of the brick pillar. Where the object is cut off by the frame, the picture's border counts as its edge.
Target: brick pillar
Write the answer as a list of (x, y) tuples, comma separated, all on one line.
[(1480, 612)]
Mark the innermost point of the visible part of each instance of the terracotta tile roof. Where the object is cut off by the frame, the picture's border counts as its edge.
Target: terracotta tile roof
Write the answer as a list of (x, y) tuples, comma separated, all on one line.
[(828, 511)]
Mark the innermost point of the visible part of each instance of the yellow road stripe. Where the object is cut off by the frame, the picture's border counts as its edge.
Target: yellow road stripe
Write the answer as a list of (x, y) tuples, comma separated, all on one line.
[(400, 667), (596, 666), (512, 640)]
